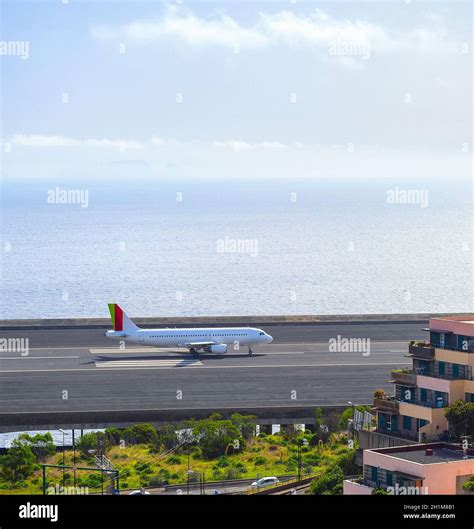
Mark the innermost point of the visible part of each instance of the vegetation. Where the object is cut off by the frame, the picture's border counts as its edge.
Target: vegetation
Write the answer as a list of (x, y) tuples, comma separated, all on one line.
[(215, 448), (469, 485), (460, 416)]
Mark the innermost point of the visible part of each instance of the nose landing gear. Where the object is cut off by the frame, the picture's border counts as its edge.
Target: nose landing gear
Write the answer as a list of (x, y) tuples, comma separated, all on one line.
[(250, 351)]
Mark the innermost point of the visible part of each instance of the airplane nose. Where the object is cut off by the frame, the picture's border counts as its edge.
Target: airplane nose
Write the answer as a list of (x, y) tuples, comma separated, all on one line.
[(269, 338)]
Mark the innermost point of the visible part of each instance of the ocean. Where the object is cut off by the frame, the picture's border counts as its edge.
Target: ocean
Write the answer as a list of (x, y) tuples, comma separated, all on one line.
[(239, 247)]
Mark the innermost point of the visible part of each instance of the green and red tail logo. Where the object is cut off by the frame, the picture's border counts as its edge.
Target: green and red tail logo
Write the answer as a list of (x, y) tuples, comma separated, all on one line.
[(116, 313)]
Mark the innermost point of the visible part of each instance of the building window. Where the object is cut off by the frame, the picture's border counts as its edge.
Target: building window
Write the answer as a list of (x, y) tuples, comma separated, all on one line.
[(389, 479), (456, 370), (374, 475), (434, 339), (423, 394), (442, 368), (406, 422)]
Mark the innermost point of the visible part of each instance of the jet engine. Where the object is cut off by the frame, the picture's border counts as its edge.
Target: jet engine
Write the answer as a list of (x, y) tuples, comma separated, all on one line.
[(220, 349)]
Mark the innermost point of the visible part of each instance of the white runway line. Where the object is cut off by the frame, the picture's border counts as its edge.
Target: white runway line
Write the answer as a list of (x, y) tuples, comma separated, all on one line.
[(36, 357), (176, 362), (130, 350)]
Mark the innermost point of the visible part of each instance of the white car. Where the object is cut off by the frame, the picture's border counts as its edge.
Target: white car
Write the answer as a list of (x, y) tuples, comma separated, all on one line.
[(141, 492), (264, 482)]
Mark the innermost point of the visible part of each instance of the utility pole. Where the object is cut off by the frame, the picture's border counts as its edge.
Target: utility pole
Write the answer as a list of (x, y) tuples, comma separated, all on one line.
[(189, 468), (74, 458), (301, 443), (64, 476)]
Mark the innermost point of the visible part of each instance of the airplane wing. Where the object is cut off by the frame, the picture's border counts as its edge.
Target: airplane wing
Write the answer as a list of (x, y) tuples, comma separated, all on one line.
[(197, 344)]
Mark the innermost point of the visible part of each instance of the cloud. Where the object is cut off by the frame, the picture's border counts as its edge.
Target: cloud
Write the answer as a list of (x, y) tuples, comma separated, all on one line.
[(238, 145), (316, 29), (39, 140), (224, 31)]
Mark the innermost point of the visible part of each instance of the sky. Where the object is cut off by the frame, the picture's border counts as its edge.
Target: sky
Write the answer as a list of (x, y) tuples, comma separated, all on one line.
[(236, 89)]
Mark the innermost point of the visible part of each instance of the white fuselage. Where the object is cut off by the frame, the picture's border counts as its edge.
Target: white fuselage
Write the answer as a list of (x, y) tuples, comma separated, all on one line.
[(231, 336)]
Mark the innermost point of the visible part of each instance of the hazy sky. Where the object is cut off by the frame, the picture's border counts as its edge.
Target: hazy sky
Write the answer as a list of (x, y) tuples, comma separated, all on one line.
[(236, 89)]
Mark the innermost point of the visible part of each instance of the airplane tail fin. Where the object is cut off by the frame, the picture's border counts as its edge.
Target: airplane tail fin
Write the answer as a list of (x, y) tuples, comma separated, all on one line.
[(120, 320)]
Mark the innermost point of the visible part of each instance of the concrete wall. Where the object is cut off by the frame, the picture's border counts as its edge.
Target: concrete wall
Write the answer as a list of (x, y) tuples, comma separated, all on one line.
[(350, 487), (206, 320), (13, 422)]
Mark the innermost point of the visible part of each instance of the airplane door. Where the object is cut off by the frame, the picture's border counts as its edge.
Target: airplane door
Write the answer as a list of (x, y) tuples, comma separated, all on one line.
[(141, 337)]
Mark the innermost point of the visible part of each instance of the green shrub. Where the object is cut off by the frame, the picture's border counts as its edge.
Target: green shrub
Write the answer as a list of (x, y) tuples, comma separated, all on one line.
[(222, 462), (469, 485), (160, 479), (142, 468), (329, 482)]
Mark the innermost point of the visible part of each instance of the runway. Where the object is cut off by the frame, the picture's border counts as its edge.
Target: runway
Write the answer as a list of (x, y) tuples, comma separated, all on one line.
[(81, 370)]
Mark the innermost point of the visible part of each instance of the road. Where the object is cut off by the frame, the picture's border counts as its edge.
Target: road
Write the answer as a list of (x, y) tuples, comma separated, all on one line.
[(81, 370)]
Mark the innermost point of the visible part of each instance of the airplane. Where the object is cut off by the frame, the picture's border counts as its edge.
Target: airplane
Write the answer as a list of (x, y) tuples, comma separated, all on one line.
[(210, 340)]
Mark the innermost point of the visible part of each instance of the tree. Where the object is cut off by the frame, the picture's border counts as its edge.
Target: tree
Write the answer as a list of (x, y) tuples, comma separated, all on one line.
[(87, 442), (245, 424), (18, 463), (318, 419), (215, 436), (167, 436), (348, 413), (329, 482), (141, 434), (460, 416), (41, 445), (346, 461)]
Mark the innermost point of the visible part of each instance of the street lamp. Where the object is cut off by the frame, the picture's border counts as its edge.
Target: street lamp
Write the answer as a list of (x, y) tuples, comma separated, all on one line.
[(301, 443), (353, 418)]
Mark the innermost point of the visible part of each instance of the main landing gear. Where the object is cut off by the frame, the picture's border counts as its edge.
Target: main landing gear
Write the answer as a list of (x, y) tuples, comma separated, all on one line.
[(194, 352)]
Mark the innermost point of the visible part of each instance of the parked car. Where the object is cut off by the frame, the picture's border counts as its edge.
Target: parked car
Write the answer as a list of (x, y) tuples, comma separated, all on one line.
[(141, 492), (264, 482)]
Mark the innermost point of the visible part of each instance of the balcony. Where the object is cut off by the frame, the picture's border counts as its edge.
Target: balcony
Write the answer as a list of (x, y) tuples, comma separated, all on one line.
[(388, 404), (404, 435), (421, 350), (405, 377)]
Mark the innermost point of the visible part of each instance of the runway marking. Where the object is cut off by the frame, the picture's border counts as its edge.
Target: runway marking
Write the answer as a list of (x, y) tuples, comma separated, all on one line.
[(130, 350), (157, 364), (183, 351), (276, 343), (217, 367), (36, 357)]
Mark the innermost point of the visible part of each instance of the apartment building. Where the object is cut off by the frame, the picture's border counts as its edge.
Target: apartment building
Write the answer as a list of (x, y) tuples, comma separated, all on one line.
[(442, 373), (432, 468)]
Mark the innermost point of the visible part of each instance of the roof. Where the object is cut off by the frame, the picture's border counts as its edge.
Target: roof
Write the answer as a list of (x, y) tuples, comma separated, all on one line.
[(463, 325), (442, 453)]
